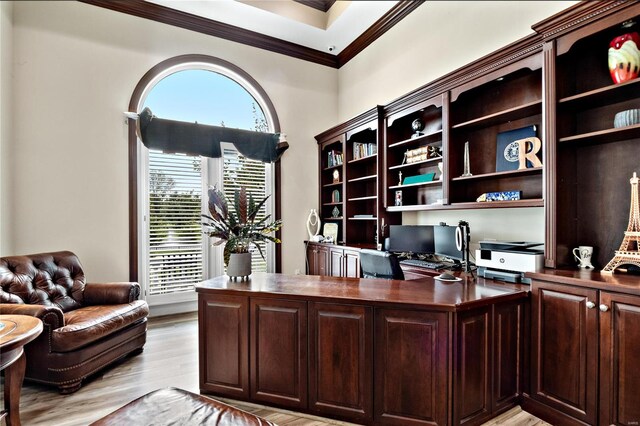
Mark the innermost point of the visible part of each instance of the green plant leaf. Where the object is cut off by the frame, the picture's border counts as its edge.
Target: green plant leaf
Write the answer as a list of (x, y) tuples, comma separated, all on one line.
[(242, 205)]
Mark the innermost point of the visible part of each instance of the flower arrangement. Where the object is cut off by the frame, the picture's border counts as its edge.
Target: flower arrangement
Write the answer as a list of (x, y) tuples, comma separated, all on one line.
[(238, 228)]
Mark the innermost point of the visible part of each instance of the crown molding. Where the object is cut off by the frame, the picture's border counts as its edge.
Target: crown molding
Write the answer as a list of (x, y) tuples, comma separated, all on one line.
[(165, 15), (360, 120), (188, 21), (519, 50), (396, 14), (321, 5), (577, 16)]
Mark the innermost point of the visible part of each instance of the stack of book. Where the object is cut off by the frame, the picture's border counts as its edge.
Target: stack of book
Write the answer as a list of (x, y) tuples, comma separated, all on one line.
[(335, 158), (361, 150)]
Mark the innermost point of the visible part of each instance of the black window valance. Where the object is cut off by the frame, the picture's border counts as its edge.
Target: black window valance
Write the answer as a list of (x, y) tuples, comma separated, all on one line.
[(204, 139)]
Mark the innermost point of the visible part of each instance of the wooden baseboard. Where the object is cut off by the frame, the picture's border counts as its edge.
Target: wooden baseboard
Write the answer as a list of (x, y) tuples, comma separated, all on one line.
[(548, 414)]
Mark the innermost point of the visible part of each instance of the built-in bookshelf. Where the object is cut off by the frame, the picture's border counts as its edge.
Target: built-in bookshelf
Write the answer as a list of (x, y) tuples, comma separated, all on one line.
[(362, 217), (482, 110), (594, 159), (415, 151), (554, 83), (332, 183)]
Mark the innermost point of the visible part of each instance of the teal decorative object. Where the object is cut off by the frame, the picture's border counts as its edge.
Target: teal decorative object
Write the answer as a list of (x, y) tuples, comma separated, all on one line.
[(427, 177)]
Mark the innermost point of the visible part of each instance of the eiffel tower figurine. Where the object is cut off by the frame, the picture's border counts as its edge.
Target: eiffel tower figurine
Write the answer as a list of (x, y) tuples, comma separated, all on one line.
[(629, 253)]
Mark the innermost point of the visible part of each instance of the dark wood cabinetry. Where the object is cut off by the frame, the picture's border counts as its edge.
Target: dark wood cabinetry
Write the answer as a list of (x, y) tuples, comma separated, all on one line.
[(472, 380), (585, 149), (354, 201), (279, 352), (351, 263), (341, 360), (565, 355), (509, 325), (332, 260), (619, 356), (223, 330), (411, 367), (332, 183), (556, 80), (430, 142), (318, 261), (410, 331), (506, 99), (336, 261), (585, 348)]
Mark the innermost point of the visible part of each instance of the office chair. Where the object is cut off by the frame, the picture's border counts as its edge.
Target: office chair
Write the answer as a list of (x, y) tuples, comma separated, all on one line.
[(380, 264)]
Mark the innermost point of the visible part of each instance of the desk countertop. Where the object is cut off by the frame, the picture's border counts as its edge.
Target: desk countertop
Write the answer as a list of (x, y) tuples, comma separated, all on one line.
[(422, 293)]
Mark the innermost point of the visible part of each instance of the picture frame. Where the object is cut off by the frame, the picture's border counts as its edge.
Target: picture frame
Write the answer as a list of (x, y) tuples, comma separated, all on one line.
[(507, 148), (398, 199), (330, 232)]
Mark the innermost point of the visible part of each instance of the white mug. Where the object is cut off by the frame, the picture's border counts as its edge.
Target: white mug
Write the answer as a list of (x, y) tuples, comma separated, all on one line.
[(583, 256)]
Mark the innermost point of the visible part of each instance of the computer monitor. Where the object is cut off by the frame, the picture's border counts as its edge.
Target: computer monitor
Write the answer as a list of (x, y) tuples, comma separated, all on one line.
[(445, 242), (411, 238)]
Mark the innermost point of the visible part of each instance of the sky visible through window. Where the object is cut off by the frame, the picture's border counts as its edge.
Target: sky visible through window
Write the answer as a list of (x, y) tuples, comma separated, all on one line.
[(203, 96)]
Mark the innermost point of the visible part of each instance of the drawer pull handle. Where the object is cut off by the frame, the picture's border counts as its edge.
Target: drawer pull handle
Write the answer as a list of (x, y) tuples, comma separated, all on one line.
[(590, 304), (604, 308)]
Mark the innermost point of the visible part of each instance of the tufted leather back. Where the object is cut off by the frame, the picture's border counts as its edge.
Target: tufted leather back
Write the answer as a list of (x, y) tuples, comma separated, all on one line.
[(50, 279)]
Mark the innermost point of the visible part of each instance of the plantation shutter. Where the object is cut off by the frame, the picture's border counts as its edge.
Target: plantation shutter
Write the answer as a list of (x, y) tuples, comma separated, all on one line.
[(175, 233), (238, 171)]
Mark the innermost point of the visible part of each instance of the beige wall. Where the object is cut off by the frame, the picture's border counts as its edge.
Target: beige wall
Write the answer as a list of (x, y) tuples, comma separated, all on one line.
[(75, 68), (6, 53), (435, 39)]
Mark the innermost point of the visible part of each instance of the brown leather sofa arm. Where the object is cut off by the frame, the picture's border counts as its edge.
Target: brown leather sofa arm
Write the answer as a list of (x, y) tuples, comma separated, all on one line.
[(49, 315), (110, 293)]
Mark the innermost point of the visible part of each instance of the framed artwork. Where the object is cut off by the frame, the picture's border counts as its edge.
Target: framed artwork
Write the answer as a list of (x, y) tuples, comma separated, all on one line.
[(330, 232), (508, 148), (398, 198)]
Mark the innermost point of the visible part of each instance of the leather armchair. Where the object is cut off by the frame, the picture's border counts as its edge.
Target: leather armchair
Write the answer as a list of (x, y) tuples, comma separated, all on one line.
[(87, 326)]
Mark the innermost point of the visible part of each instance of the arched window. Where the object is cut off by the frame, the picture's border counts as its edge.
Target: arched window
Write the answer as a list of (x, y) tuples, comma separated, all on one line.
[(171, 253)]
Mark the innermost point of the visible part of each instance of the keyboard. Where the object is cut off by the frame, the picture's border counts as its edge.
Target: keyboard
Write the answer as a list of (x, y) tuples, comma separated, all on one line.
[(423, 264)]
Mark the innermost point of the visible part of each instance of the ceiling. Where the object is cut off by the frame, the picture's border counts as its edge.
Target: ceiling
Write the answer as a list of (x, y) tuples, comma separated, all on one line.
[(300, 22)]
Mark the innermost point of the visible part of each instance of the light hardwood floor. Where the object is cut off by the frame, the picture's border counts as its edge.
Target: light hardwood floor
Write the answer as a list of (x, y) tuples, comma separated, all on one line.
[(170, 358)]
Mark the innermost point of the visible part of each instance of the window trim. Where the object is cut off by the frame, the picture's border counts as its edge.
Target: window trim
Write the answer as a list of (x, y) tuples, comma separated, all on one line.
[(145, 84)]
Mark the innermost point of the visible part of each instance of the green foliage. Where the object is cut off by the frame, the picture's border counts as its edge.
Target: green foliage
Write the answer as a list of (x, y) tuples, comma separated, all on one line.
[(164, 200), (237, 228)]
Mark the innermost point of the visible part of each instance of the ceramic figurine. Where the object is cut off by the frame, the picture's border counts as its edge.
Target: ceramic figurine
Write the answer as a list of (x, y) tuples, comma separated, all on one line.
[(624, 57), (417, 125), (467, 167), (313, 224)]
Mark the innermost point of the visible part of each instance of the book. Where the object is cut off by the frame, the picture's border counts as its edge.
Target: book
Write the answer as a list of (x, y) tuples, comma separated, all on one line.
[(507, 152)]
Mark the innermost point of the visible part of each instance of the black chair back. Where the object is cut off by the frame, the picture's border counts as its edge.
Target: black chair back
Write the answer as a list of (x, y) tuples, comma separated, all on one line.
[(380, 264)]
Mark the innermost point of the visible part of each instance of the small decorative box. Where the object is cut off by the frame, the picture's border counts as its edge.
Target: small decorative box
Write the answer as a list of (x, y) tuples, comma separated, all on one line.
[(500, 196)]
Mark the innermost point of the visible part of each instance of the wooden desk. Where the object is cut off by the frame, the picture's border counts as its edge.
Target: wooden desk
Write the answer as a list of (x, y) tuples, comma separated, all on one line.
[(15, 332), (420, 352)]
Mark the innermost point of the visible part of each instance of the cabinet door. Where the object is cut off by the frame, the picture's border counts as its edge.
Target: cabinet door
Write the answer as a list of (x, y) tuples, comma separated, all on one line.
[(317, 258), (279, 352), (322, 261), (564, 354), (311, 259), (341, 360), (619, 359), (472, 367), (351, 264), (336, 262), (508, 325), (411, 367), (223, 326)]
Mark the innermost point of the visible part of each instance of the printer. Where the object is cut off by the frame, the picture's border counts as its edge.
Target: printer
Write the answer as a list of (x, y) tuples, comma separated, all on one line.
[(508, 261)]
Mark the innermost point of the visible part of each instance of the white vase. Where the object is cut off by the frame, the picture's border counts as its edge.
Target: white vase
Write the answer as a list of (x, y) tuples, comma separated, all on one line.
[(239, 265)]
